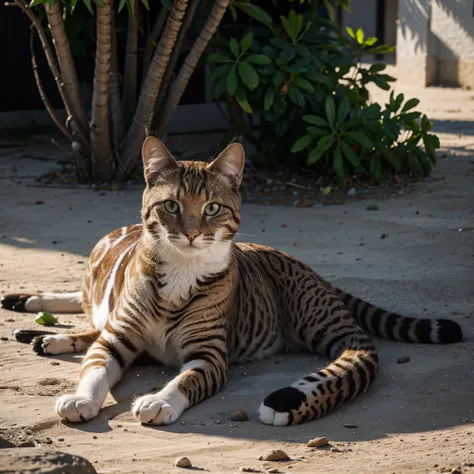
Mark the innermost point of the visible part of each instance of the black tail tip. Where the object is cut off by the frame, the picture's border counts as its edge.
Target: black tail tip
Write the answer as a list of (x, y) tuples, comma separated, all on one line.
[(14, 302), (449, 331)]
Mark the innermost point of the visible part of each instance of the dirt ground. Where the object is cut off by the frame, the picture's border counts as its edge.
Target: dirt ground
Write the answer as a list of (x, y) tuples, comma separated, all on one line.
[(418, 417)]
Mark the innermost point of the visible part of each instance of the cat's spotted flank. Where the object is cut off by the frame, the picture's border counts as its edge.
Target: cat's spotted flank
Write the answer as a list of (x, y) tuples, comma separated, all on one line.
[(178, 287)]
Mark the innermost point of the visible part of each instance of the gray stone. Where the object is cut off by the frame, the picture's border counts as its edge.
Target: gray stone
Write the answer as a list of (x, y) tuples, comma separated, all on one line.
[(42, 461)]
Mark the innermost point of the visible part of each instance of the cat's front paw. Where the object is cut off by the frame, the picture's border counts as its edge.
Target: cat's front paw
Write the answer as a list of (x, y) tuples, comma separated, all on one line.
[(75, 408), (154, 410)]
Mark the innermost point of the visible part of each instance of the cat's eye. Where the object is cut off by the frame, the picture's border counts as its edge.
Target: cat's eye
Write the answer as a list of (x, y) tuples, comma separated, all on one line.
[(212, 209), (172, 207)]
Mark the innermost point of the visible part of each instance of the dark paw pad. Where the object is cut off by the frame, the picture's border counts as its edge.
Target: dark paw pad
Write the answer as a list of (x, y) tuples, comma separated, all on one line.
[(14, 302), (37, 345), (285, 400)]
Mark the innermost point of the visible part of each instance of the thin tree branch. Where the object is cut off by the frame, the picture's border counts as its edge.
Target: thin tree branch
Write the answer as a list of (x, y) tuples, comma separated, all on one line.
[(189, 65), (46, 102), (102, 166), (66, 63), (178, 47), (149, 92), (152, 39), (129, 99)]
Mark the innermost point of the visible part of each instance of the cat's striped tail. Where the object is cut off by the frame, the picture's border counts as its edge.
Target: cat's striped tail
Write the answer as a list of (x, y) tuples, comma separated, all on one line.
[(393, 326), (50, 302)]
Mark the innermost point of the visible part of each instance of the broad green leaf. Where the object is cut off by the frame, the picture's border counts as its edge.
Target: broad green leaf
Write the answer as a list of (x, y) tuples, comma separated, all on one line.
[(45, 319), (233, 11), (314, 156), (359, 138), (287, 54), (360, 36), (390, 157), (73, 5), (372, 207), (218, 58), (145, 2), (370, 41), (377, 67), (88, 5), (339, 164), (382, 49), (303, 84), (425, 164), (343, 110), (166, 3), (301, 143), (242, 101), (248, 75), (410, 104), (234, 47), (246, 42), (315, 120), (350, 154), (279, 43), (255, 12), (350, 31), (330, 109), (218, 88), (220, 71), (278, 78), (33, 3), (325, 143), (287, 26), (316, 132), (259, 59), (231, 82), (295, 95), (329, 8), (269, 98)]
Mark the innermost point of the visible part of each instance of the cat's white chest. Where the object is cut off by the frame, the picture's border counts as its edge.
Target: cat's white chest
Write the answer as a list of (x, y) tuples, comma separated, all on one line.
[(181, 276)]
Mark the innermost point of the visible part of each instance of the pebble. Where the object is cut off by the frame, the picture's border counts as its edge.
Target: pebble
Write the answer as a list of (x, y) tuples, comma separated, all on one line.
[(274, 455), (317, 442), (456, 470), (54, 363), (248, 469), (239, 415), (60, 439), (335, 450), (183, 462), (48, 441), (273, 470), (351, 192), (351, 425), (403, 360), (4, 338)]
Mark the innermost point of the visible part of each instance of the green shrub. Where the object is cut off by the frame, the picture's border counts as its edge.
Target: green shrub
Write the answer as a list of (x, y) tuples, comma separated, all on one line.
[(304, 81)]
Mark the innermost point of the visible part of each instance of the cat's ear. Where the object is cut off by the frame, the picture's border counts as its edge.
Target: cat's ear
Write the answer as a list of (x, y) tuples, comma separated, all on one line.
[(156, 158), (231, 162)]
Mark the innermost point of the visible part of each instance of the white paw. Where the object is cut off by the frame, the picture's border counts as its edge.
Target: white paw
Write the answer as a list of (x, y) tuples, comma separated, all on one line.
[(75, 408), (269, 416), (57, 344), (154, 410)]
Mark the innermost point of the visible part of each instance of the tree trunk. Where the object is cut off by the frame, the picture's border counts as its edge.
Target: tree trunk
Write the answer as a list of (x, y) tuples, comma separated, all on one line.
[(152, 39), (66, 63), (102, 166), (130, 72), (116, 111), (143, 115), (178, 47), (177, 89)]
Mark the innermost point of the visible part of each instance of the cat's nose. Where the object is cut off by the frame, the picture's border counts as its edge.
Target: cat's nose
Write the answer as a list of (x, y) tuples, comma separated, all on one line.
[(191, 235)]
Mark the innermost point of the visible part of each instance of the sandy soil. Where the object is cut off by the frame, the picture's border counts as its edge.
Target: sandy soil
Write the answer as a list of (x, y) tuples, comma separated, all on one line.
[(418, 417)]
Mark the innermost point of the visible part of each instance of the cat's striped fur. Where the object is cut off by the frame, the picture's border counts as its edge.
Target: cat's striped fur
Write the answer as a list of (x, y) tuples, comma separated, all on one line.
[(178, 287)]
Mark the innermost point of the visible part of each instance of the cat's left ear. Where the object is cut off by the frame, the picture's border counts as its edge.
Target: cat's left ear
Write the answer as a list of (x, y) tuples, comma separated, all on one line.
[(156, 158), (231, 162)]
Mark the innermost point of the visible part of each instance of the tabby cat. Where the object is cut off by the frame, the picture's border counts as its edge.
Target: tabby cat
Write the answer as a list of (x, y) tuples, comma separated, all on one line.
[(178, 287)]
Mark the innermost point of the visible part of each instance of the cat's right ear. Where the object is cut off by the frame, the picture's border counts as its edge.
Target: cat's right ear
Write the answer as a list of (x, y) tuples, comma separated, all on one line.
[(156, 158)]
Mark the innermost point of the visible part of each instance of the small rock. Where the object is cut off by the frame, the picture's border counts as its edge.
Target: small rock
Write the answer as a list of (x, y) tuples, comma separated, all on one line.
[(403, 360), (456, 470), (61, 439), (182, 462), (39, 202), (94, 437), (48, 441), (284, 225), (335, 450), (4, 338), (115, 186), (351, 425), (317, 442), (351, 192), (274, 455), (273, 470), (54, 363), (239, 415), (384, 236), (248, 469)]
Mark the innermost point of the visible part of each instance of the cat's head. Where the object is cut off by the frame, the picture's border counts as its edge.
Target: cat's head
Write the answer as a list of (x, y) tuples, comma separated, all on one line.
[(191, 207)]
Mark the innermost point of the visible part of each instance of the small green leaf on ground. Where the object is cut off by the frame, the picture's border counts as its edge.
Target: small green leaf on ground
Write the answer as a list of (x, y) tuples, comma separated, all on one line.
[(45, 319), (373, 207), (327, 190)]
